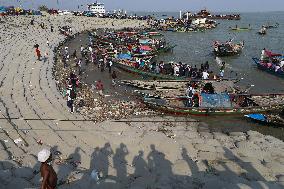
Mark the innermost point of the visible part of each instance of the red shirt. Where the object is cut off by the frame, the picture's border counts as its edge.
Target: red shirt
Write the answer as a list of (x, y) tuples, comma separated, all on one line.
[(99, 86), (37, 52)]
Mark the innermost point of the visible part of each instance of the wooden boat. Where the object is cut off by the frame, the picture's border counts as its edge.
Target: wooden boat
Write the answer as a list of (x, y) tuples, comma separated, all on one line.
[(228, 105), (227, 49), (241, 29), (267, 119), (264, 68), (272, 26), (262, 31), (148, 74), (177, 87)]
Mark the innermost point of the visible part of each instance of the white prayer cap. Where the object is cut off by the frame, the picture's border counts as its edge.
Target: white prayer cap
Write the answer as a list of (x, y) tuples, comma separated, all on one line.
[(43, 155)]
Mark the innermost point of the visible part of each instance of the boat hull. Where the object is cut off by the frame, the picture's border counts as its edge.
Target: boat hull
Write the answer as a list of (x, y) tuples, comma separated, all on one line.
[(210, 111), (133, 70), (223, 54), (265, 121), (241, 29)]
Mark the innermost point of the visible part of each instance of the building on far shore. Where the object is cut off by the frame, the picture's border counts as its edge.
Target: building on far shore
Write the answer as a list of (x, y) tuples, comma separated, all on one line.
[(97, 8)]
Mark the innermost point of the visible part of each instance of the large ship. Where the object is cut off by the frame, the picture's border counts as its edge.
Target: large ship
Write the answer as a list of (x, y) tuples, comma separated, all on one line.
[(97, 8)]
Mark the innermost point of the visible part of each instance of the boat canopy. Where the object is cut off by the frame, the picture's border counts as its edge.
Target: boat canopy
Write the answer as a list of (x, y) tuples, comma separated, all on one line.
[(145, 41), (124, 56), (145, 48), (271, 54), (215, 101)]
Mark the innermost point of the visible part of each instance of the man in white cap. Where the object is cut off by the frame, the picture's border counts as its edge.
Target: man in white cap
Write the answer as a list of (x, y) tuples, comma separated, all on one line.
[(47, 172)]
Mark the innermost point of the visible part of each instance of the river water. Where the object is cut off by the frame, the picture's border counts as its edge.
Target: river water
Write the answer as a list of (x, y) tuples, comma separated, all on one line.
[(196, 47)]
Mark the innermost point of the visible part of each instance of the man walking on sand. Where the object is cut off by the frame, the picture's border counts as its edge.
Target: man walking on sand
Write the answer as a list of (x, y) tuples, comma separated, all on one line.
[(38, 53), (47, 42), (47, 172)]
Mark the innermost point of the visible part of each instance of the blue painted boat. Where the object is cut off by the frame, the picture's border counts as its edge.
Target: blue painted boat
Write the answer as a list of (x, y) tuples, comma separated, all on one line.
[(264, 68), (267, 119), (257, 117)]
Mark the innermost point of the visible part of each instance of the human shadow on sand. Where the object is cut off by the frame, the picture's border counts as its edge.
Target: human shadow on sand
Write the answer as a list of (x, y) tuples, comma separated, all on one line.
[(156, 171), (151, 172)]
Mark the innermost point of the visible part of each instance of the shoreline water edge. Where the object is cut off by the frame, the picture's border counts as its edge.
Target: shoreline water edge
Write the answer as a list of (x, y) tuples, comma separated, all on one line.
[(137, 151)]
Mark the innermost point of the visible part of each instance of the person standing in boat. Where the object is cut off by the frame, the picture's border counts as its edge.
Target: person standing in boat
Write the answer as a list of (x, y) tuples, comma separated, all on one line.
[(189, 94), (263, 55)]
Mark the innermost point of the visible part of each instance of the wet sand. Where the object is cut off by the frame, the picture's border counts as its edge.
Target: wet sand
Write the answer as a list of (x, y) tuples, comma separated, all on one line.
[(138, 152)]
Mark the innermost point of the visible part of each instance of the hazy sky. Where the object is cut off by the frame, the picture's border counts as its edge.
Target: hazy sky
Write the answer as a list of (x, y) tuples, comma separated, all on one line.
[(161, 5)]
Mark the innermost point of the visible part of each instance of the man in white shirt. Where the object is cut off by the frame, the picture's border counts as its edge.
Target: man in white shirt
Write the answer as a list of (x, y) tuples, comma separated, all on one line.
[(205, 75), (282, 63), (176, 70), (82, 50), (47, 42), (263, 54), (90, 49)]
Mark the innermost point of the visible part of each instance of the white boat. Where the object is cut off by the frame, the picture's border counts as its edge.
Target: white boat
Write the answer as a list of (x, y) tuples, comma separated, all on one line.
[(64, 12), (97, 8)]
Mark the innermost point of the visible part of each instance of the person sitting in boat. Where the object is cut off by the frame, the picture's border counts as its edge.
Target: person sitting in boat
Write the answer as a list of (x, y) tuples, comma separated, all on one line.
[(277, 68)]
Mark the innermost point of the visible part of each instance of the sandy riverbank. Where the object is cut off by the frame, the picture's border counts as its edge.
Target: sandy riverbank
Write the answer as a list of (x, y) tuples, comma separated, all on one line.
[(145, 152)]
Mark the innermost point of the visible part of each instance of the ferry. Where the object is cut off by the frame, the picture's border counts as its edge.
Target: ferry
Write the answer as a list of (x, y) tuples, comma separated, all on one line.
[(97, 8)]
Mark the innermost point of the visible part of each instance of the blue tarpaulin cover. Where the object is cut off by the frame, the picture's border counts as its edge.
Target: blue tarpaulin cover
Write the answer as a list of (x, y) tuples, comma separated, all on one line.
[(259, 117), (145, 41), (124, 56), (215, 101)]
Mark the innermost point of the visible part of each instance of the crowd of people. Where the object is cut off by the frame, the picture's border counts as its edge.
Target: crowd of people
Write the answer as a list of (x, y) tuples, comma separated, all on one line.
[(135, 50)]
